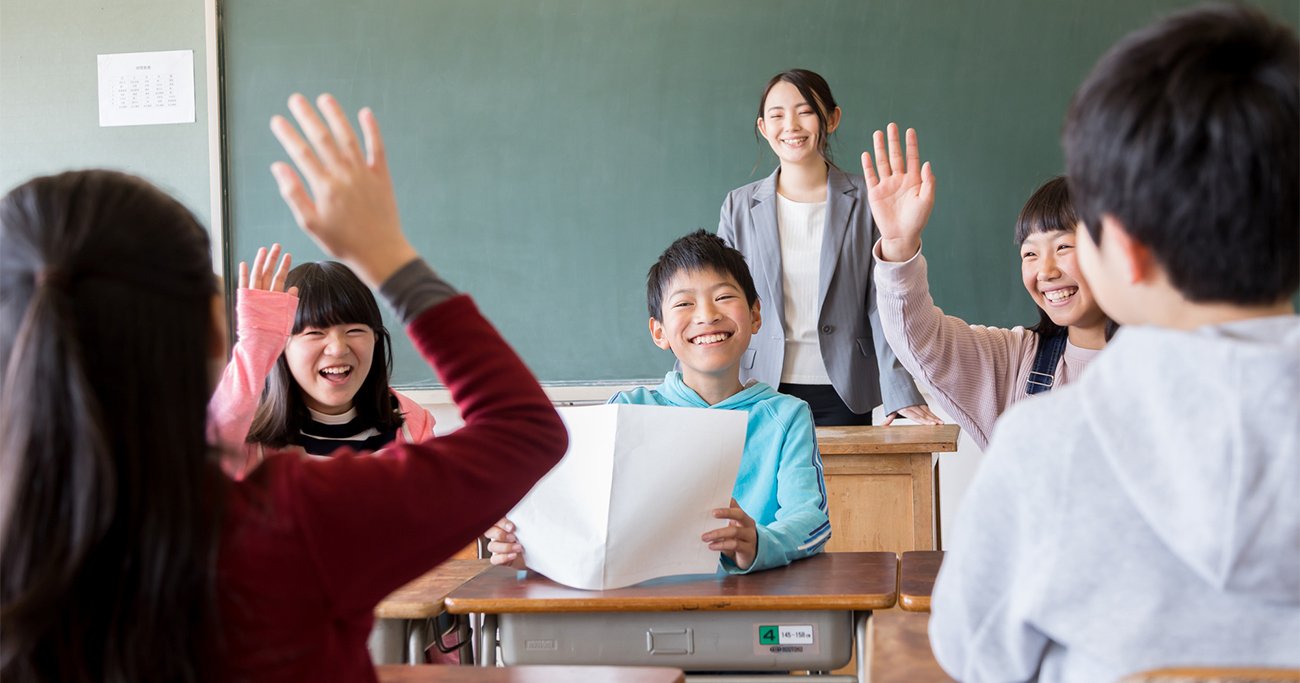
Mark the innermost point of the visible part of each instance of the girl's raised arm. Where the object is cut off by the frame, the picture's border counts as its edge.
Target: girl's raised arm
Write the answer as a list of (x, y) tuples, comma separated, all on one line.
[(264, 314)]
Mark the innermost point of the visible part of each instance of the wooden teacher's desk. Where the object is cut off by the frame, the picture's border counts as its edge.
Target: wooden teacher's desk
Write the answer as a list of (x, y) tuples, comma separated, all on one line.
[(775, 620), (527, 674), (883, 485)]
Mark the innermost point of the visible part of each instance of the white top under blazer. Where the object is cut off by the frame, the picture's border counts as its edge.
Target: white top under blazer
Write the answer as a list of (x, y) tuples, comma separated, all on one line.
[(799, 226)]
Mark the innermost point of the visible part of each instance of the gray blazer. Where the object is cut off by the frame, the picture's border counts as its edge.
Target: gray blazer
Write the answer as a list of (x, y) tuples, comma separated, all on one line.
[(852, 343)]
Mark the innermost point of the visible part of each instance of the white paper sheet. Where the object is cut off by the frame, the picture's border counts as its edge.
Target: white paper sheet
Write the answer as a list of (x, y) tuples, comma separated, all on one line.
[(632, 496), (142, 88)]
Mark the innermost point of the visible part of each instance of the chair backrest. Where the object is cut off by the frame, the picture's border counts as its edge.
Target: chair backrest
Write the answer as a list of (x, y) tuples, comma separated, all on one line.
[(1211, 674)]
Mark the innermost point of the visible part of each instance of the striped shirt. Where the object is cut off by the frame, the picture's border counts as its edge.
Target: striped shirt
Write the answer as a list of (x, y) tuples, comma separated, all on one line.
[(323, 434)]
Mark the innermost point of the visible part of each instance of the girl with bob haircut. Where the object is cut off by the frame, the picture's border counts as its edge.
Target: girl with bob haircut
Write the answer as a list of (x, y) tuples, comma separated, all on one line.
[(125, 552), (321, 372), (976, 371), (806, 233)]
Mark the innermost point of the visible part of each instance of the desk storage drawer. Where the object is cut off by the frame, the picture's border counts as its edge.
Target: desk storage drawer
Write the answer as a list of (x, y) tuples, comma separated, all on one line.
[(697, 641)]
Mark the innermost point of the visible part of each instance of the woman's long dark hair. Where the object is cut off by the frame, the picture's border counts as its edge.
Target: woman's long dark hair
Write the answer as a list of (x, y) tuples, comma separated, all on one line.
[(111, 500), (1049, 210), (328, 294)]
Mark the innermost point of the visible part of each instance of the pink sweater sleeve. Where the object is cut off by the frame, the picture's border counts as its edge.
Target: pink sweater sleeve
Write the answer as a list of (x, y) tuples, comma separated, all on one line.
[(264, 320), (417, 421), (974, 371)]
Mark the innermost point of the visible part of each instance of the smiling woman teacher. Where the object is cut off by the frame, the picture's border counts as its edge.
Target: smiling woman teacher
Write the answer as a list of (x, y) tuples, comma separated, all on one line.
[(807, 233)]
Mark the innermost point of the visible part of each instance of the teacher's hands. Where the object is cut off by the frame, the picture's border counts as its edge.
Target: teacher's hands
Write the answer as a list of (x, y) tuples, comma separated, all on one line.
[(351, 211), (901, 193), (919, 413)]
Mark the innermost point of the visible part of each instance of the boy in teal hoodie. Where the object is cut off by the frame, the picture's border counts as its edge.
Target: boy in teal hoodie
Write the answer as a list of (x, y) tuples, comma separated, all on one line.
[(704, 308)]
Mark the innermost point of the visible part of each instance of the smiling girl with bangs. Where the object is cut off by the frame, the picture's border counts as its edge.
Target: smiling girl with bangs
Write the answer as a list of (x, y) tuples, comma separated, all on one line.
[(318, 356), (977, 372)]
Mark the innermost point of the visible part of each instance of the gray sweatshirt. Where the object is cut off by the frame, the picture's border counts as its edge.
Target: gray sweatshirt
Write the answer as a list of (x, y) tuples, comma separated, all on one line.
[(1146, 515)]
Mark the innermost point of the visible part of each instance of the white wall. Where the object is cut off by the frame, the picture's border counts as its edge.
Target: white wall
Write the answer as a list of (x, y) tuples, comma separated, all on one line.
[(49, 116)]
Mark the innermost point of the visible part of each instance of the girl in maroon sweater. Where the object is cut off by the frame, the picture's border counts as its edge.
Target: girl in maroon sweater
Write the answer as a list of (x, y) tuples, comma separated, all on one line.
[(125, 553)]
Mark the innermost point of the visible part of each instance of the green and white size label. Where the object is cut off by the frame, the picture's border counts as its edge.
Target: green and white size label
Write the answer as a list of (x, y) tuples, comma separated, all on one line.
[(785, 639)]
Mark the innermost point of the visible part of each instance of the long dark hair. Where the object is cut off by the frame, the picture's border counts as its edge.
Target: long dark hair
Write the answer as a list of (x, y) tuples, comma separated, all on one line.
[(816, 92), (1049, 210), (328, 294), (111, 499)]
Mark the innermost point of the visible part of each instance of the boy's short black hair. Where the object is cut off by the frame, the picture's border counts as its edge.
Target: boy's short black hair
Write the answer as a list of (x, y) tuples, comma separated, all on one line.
[(1187, 133), (699, 250)]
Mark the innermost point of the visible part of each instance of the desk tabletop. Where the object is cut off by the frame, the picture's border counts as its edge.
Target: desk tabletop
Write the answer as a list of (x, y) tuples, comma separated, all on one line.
[(916, 575), (829, 581), (869, 440), (401, 673), (423, 597)]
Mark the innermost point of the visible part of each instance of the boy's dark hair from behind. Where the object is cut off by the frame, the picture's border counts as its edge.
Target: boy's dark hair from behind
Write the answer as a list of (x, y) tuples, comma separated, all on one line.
[(699, 250), (1186, 133)]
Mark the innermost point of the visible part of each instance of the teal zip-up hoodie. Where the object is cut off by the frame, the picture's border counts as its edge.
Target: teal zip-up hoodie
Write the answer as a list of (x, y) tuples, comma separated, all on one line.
[(780, 483)]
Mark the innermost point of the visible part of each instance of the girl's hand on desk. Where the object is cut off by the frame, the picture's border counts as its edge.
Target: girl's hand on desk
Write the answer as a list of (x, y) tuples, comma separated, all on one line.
[(901, 193), (504, 546), (262, 276), (351, 210), (738, 540)]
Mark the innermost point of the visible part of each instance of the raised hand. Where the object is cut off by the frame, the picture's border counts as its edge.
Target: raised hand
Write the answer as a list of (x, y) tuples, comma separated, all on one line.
[(351, 211), (901, 193), (265, 275), (738, 540)]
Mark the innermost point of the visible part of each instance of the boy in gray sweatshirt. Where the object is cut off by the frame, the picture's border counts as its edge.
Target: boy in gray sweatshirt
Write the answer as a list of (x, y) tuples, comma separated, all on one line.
[(1147, 515)]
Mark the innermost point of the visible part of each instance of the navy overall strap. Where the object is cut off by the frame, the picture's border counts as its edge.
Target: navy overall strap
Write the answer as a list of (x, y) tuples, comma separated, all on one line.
[(1050, 350)]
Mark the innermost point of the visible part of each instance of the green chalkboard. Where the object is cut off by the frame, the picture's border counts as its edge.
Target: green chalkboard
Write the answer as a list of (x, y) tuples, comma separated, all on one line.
[(545, 152)]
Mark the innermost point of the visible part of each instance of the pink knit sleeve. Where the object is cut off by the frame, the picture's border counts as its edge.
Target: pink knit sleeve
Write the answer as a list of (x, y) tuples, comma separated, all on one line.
[(971, 369), (417, 420), (264, 320)]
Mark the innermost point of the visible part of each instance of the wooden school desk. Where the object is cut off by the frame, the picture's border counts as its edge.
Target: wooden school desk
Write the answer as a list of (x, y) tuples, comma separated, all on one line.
[(900, 641), (883, 485), (900, 649), (916, 574), (528, 674), (404, 616), (681, 621)]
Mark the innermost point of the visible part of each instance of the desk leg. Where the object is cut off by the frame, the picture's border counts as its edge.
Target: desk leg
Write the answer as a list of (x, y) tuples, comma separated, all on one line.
[(860, 620), (417, 638), (487, 639), (386, 641), (464, 634), (938, 515)]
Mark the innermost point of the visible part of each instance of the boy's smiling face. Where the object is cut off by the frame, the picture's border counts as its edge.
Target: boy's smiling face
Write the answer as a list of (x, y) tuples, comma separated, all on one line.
[(706, 323)]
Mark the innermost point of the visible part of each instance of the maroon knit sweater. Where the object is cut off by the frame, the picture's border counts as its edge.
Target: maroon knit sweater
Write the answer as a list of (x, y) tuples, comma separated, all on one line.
[(311, 546)]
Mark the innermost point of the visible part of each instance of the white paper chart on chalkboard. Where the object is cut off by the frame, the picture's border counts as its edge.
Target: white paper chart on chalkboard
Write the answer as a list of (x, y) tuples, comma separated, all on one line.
[(144, 88)]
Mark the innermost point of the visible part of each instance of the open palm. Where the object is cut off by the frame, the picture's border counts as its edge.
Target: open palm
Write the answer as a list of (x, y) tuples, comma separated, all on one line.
[(900, 190)]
